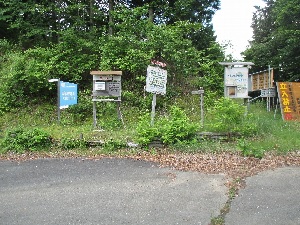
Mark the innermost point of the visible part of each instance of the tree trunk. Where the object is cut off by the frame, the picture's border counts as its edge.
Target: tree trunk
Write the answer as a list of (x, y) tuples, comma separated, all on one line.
[(151, 14), (55, 22), (110, 19), (91, 12)]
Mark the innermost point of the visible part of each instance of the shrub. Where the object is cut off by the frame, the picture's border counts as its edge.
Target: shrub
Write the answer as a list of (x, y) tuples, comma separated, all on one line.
[(228, 116), (20, 140), (171, 129), (146, 133), (177, 127)]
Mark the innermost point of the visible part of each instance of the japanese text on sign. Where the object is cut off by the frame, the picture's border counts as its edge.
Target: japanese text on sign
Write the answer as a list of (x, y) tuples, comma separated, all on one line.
[(237, 77), (289, 96), (156, 81), (68, 94)]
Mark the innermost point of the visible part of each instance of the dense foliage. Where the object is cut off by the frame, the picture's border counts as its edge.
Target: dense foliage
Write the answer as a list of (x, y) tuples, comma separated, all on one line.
[(276, 38), (40, 40)]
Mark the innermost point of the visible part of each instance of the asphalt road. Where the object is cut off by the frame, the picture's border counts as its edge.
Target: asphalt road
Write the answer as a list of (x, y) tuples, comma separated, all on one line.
[(106, 191), (270, 198), (124, 191)]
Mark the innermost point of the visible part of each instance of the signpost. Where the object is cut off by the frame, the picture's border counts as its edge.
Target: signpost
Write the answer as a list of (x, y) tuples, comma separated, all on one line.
[(66, 95), (156, 83), (289, 97), (236, 82), (201, 93), (106, 88), (236, 79)]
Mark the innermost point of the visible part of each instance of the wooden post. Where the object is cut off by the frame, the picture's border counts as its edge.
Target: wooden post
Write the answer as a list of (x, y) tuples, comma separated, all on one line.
[(201, 93), (120, 116), (269, 86), (202, 108), (58, 100), (153, 109), (94, 114)]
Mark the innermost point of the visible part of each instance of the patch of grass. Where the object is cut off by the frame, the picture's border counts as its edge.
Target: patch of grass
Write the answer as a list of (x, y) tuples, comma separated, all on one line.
[(273, 134), (217, 221)]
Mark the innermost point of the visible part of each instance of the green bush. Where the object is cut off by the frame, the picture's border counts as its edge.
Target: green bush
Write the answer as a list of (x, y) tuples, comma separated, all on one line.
[(177, 127), (171, 129), (21, 140), (145, 132), (228, 116)]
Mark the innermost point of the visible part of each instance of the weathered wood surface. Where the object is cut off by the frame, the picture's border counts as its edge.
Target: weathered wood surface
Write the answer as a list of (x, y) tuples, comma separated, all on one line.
[(106, 73)]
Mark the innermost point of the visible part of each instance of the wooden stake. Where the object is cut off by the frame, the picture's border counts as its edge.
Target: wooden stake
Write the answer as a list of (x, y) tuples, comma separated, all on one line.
[(153, 109)]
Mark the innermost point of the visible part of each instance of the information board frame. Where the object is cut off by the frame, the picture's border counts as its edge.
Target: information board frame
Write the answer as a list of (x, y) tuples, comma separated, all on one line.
[(68, 94), (156, 81), (236, 82)]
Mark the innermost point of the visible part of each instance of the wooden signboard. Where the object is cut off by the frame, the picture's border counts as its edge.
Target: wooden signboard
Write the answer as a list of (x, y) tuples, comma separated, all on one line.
[(289, 97), (106, 88), (262, 80)]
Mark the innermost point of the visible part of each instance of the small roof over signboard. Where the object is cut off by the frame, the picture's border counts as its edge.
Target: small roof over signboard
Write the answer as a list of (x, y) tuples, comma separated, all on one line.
[(106, 73), (236, 63)]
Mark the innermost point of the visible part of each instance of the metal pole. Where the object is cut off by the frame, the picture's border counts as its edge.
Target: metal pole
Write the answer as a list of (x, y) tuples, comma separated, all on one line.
[(58, 100)]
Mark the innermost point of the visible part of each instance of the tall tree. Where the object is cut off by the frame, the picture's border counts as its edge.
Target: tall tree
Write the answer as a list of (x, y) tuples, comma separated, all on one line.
[(276, 38), (193, 11)]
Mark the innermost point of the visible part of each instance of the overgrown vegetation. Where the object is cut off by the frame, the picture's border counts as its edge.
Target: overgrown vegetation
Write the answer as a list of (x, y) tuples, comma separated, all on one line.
[(37, 129), (229, 116), (169, 129)]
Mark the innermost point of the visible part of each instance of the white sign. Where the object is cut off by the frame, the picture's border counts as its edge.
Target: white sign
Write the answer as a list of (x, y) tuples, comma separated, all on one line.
[(99, 86), (156, 81), (236, 82), (270, 92), (199, 92)]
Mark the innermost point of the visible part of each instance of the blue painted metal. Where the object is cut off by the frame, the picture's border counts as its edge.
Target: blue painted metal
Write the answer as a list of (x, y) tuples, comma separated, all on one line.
[(67, 94)]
